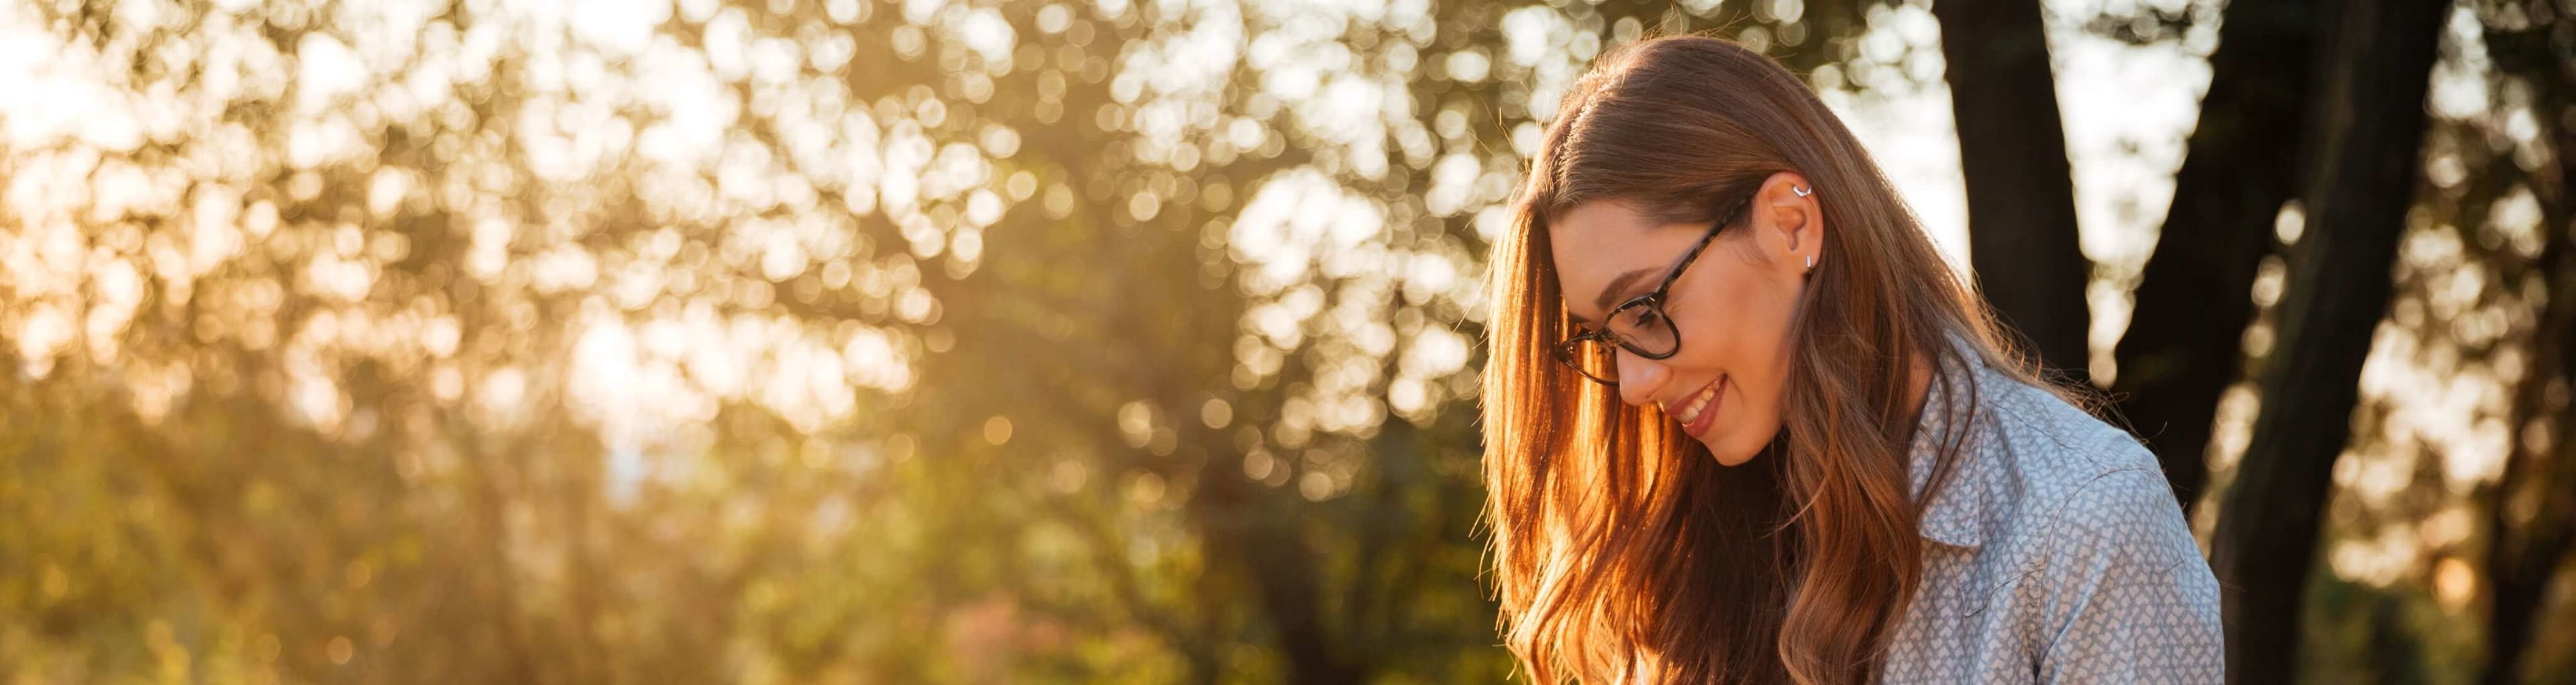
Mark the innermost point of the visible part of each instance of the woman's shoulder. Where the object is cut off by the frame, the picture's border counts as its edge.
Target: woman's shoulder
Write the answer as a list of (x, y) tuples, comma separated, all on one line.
[(2033, 458), (2085, 555), (2058, 447), (2086, 489), (2074, 477)]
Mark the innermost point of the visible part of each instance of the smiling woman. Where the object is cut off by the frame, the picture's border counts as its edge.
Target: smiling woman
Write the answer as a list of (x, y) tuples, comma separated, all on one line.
[(1745, 425)]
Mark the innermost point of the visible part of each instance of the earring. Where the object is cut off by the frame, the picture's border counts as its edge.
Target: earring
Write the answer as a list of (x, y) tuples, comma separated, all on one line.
[(1802, 192), (1811, 262)]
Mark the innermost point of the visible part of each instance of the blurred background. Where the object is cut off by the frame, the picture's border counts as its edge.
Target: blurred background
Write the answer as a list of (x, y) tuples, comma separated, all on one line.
[(1135, 341)]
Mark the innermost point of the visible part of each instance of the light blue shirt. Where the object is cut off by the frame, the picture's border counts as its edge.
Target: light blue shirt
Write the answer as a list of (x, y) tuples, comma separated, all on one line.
[(2055, 554)]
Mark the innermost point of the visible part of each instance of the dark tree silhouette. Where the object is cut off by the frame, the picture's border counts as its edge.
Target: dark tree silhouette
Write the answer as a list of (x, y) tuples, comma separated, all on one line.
[(2370, 119), (2531, 513), (2184, 343), (2022, 238)]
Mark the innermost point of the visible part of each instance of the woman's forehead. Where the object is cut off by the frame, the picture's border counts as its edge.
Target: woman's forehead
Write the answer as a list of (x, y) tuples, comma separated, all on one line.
[(1617, 215), (1594, 243)]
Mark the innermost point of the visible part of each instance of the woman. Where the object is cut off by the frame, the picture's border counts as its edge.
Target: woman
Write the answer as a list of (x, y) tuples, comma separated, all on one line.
[(1745, 425)]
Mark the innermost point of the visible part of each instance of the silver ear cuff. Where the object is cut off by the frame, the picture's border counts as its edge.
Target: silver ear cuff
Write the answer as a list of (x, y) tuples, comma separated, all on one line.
[(1803, 192)]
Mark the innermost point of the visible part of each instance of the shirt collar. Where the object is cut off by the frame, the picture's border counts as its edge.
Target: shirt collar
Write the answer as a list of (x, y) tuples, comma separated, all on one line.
[(1955, 514)]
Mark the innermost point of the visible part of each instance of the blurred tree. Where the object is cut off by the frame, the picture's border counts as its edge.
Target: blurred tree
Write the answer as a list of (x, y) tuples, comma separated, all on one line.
[(2021, 196), (2529, 515), (2376, 66), (2184, 343)]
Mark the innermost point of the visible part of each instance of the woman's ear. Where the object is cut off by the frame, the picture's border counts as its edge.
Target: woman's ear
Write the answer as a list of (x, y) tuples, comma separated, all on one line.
[(1788, 222)]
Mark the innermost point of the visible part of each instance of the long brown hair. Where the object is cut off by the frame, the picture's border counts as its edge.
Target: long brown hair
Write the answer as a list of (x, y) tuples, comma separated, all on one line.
[(1623, 552)]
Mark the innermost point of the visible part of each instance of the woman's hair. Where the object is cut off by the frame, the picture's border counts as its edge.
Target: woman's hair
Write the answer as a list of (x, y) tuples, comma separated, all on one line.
[(1624, 552)]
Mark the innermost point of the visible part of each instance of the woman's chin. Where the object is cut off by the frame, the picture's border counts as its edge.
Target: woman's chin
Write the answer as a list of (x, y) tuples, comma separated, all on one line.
[(1727, 454)]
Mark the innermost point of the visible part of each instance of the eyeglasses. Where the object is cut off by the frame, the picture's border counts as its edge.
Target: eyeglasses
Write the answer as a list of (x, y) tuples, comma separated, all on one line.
[(1639, 324)]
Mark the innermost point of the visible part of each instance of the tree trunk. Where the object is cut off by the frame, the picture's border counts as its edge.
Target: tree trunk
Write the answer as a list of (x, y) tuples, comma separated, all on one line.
[(2021, 198), (2531, 515), (2370, 117), (2183, 346)]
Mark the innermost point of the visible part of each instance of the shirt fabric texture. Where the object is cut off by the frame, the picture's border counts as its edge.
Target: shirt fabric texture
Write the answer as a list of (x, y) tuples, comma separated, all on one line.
[(2055, 553)]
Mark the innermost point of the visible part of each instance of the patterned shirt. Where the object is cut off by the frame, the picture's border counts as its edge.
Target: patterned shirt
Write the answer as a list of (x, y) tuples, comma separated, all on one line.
[(2057, 553)]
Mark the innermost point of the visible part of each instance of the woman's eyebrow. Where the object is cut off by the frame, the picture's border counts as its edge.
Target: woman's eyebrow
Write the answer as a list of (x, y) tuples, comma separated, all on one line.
[(1611, 294)]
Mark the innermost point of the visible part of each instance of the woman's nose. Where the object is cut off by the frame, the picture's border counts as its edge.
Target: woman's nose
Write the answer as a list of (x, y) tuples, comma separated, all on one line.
[(1639, 378)]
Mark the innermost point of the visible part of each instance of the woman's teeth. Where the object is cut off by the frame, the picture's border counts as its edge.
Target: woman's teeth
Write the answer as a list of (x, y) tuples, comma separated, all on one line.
[(1690, 412)]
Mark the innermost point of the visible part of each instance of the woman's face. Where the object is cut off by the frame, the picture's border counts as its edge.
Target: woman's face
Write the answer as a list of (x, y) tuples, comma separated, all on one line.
[(1731, 306)]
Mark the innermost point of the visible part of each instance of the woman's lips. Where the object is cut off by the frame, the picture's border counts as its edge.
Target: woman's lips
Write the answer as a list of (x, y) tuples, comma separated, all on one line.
[(1698, 426)]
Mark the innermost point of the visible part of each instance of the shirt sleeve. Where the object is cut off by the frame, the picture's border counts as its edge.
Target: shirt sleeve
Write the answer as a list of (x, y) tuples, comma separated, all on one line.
[(2129, 597)]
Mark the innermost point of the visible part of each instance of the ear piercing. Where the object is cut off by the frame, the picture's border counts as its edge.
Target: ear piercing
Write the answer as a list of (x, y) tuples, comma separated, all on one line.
[(1803, 192)]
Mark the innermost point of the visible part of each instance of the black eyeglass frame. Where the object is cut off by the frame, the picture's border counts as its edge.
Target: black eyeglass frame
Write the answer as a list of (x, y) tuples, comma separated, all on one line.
[(1652, 302)]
